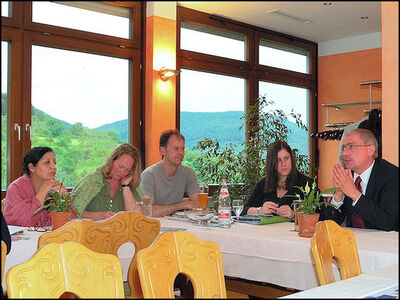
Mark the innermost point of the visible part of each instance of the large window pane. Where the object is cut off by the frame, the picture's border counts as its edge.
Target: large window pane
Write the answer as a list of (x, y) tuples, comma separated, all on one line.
[(210, 111), (5, 12), (288, 98), (79, 107), (212, 41), (84, 15), (4, 111), (284, 57)]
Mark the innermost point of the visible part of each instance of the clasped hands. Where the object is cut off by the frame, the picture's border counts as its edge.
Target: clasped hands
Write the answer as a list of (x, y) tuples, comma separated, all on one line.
[(270, 207), (343, 178)]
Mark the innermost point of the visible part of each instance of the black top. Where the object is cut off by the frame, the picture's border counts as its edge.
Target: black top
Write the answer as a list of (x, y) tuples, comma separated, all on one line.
[(5, 233), (258, 197)]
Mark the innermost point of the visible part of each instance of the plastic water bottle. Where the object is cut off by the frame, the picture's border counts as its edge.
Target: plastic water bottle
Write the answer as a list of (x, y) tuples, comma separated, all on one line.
[(224, 206)]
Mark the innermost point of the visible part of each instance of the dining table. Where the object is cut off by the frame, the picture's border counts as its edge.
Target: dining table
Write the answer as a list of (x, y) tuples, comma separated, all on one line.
[(272, 253)]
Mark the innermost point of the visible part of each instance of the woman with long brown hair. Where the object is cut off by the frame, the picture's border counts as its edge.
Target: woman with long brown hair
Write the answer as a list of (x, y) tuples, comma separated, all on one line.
[(281, 179)]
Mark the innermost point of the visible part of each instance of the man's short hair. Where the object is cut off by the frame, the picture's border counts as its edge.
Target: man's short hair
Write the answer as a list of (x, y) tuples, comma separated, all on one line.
[(164, 137), (367, 137)]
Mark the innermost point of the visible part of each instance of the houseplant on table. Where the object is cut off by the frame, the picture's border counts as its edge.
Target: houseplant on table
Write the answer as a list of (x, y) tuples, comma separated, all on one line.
[(59, 205), (309, 203)]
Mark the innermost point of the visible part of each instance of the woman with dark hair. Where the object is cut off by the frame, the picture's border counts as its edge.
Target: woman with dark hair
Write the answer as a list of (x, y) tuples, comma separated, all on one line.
[(28, 192), (113, 187), (281, 177)]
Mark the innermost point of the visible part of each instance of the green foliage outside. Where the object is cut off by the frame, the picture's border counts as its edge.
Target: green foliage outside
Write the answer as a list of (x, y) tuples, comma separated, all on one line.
[(215, 144), (245, 168)]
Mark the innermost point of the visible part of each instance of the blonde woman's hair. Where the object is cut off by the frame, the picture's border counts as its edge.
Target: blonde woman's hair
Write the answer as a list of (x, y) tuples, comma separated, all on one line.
[(130, 150)]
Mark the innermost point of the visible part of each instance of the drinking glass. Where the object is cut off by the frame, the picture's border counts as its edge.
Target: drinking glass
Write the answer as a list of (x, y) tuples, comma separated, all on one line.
[(237, 206), (203, 195)]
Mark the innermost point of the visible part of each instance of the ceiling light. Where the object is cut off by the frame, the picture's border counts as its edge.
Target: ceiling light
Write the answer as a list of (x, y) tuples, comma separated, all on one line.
[(327, 3), (364, 17), (290, 17)]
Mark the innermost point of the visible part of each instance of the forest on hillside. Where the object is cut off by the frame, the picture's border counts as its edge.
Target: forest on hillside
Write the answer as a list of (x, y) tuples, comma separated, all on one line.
[(80, 150)]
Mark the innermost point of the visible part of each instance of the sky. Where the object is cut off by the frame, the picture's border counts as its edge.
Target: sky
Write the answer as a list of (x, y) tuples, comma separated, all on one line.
[(93, 89)]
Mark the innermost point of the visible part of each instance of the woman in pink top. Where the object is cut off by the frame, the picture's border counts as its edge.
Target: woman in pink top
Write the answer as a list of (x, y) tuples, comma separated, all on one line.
[(28, 192)]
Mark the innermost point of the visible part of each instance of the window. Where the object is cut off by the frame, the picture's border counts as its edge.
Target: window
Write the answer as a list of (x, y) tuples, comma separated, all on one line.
[(211, 112), (90, 16), (284, 57), (77, 91), (257, 61), (212, 41), (288, 99), (88, 117), (5, 8)]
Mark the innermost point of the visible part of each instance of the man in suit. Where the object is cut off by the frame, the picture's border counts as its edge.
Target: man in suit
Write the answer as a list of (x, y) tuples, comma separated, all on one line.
[(369, 195)]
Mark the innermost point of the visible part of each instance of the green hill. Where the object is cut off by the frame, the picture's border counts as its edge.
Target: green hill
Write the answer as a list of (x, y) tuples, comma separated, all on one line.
[(222, 126)]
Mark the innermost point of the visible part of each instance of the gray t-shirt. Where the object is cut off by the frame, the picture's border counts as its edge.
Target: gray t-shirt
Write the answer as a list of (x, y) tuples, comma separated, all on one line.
[(165, 190)]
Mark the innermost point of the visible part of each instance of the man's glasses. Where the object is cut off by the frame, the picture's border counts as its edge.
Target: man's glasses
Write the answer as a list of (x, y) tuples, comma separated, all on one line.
[(352, 147)]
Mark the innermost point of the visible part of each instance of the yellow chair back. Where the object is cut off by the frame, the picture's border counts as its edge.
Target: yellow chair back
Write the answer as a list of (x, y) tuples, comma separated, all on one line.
[(68, 267), (181, 252), (332, 242), (3, 257), (106, 236)]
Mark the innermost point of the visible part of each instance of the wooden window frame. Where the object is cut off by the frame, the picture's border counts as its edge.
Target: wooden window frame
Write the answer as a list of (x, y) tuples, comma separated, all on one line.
[(250, 69), (23, 33)]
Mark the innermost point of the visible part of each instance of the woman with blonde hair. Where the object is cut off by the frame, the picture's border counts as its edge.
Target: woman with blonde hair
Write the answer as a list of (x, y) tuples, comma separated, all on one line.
[(112, 187)]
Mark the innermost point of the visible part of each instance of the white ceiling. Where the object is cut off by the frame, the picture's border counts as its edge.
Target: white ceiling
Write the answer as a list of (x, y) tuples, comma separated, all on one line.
[(336, 21)]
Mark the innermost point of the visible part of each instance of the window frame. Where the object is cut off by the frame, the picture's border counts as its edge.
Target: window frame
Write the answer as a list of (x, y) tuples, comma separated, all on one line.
[(250, 69), (23, 33)]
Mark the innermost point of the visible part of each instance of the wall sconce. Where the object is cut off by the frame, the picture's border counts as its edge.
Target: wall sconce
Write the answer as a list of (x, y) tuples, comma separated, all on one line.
[(166, 74)]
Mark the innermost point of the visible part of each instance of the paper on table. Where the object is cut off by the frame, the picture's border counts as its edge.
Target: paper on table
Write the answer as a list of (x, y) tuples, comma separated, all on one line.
[(15, 229)]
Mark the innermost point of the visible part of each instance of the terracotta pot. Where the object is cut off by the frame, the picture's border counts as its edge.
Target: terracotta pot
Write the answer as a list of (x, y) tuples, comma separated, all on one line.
[(58, 219), (307, 224)]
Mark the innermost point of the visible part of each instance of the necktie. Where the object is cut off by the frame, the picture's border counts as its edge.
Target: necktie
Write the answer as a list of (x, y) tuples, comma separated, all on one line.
[(357, 221)]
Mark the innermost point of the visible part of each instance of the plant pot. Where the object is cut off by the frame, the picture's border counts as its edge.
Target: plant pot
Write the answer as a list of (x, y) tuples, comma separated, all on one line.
[(307, 224), (58, 219)]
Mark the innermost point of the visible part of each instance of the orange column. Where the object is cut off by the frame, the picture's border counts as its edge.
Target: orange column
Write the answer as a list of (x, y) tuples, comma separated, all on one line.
[(160, 104), (390, 81)]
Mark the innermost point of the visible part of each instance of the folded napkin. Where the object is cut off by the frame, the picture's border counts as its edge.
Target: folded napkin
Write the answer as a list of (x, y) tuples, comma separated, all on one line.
[(262, 220)]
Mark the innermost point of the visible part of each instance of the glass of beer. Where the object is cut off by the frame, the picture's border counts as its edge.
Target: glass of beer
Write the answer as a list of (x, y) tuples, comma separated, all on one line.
[(203, 195)]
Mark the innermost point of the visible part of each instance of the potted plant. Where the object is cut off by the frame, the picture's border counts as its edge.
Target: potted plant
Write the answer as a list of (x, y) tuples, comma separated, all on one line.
[(59, 205), (308, 205)]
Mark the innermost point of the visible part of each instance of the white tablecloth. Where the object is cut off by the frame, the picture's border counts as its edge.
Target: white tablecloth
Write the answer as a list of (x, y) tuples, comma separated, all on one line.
[(267, 253), (276, 254)]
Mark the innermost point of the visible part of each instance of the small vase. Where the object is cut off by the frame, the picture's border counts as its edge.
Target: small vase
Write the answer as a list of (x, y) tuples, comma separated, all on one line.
[(307, 224), (58, 219)]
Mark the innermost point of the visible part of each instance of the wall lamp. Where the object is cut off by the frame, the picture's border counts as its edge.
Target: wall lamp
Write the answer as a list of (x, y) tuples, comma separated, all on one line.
[(166, 74)]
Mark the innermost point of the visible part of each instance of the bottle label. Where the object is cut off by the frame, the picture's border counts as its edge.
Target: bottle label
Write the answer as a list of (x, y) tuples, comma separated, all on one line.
[(223, 193)]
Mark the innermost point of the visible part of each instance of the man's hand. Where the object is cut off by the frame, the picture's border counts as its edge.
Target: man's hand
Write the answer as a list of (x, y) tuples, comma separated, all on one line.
[(343, 179)]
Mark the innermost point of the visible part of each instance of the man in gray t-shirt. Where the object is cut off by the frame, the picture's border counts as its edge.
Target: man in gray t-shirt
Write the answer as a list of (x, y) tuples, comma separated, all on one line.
[(167, 180)]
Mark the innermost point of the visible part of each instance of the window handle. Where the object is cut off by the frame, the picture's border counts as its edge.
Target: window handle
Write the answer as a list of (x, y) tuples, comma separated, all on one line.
[(28, 128), (17, 128)]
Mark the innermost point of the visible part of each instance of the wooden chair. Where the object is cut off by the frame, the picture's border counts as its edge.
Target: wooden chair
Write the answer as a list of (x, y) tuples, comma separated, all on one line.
[(3, 257), (181, 252), (68, 267), (106, 236), (332, 242)]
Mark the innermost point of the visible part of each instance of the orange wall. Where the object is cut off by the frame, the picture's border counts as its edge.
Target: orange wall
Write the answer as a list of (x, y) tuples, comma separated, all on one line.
[(390, 79), (160, 106), (339, 78)]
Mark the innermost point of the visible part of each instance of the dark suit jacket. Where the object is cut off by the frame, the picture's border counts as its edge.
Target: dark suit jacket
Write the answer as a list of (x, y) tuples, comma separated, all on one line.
[(379, 207)]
